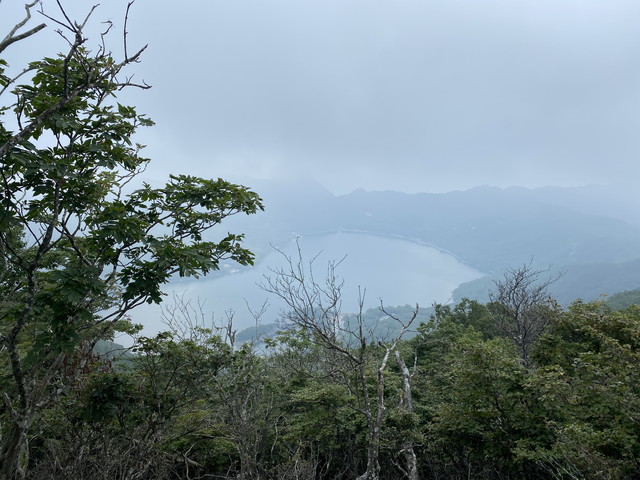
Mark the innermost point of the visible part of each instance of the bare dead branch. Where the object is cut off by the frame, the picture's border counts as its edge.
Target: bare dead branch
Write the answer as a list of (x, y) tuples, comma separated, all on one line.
[(125, 32), (6, 42), (315, 308), (522, 305), (55, 20), (70, 25), (12, 37)]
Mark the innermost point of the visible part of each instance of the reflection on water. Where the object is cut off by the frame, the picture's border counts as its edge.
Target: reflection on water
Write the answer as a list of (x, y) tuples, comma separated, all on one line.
[(397, 271)]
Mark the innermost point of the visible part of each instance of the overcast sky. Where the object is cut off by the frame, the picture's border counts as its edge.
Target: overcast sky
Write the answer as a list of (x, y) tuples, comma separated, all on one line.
[(411, 95)]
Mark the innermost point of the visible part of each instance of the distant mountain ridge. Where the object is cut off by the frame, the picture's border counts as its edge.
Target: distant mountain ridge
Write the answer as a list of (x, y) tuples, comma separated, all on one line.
[(488, 228)]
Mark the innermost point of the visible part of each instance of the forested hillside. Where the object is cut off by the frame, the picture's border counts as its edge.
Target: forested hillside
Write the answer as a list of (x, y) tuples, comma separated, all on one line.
[(487, 227)]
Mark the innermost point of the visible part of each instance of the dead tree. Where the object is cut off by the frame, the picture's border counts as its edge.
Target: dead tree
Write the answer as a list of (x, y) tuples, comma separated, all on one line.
[(315, 308), (522, 306), (410, 469), (406, 402)]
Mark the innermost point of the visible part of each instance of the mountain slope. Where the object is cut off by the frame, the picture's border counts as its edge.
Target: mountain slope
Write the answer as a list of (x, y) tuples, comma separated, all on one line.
[(488, 228)]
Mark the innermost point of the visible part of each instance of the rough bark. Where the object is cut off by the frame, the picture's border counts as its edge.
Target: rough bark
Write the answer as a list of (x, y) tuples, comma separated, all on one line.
[(407, 403)]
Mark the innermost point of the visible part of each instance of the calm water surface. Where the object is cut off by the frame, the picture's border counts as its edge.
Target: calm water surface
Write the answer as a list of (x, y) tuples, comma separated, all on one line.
[(395, 270)]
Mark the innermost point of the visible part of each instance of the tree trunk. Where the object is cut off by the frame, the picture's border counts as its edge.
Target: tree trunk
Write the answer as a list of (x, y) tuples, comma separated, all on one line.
[(407, 404), (15, 451), (14, 448), (373, 456), (375, 425)]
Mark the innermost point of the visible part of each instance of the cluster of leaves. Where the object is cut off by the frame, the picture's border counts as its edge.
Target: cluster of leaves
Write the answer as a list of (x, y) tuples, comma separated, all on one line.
[(570, 414), (80, 246)]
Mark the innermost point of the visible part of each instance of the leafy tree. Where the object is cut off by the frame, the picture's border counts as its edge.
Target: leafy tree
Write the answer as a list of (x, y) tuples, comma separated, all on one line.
[(149, 414), (467, 313), (590, 385), (484, 411), (437, 338), (471, 397), (105, 427), (79, 246)]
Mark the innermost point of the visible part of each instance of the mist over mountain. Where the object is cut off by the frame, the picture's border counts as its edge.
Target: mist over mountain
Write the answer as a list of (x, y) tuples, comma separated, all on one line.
[(423, 248), (591, 233)]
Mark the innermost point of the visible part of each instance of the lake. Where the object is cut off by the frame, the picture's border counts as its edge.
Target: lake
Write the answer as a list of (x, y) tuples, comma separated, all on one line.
[(396, 270)]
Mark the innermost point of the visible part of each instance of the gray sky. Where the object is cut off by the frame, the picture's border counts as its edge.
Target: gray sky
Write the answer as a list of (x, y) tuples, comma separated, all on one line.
[(411, 95)]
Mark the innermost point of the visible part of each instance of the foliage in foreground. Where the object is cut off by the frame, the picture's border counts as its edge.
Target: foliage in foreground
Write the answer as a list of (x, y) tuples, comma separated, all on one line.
[(80, 246), (200, 407)]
